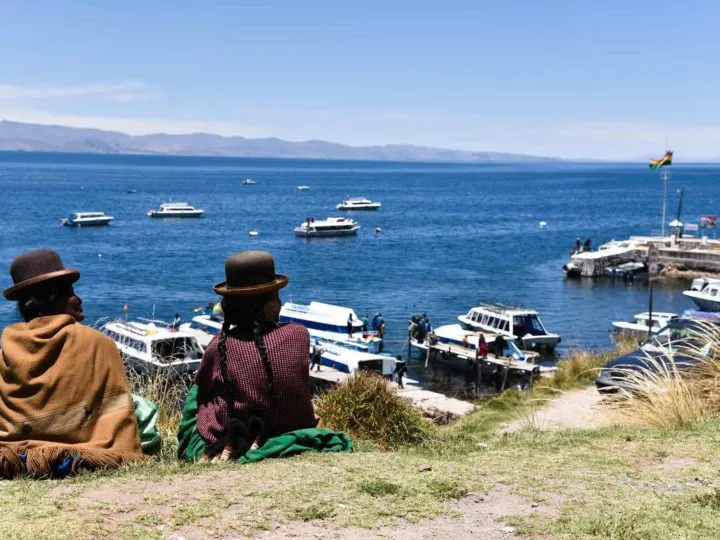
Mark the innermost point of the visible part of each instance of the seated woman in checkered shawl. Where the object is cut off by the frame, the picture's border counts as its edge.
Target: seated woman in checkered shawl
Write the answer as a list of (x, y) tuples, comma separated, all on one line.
[(253, 382)]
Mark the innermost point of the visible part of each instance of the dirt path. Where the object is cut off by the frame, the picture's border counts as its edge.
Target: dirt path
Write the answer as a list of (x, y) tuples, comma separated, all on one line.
[(573, 409)]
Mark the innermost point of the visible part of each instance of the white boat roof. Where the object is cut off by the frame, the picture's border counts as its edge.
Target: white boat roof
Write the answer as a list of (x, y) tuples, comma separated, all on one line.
[(502, 310), (358, 200), (455, 331), (331, 221), (317, 310), (145, 331), (90, 214)]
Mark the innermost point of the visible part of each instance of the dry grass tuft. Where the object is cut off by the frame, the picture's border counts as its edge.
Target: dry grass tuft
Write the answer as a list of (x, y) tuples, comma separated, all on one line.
[(666, 392), (166, 392), (578, 369), (367, 408)]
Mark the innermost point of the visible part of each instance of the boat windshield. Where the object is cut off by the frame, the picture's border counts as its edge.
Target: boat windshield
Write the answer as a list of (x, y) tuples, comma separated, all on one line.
[(177, 348), (527, 324), (678, 335)]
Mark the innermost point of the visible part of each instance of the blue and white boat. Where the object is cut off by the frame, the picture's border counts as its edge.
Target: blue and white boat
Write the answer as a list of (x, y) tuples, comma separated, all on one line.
[(87, 219), (348, 360), (203, 327), (320, 316)]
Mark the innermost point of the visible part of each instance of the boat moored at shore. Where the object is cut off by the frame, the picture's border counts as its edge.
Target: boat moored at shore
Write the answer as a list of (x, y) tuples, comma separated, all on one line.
[(151, 346), (705, 292), (320, 316), (642, 322), (332, 226), (176, 210), (512, 323), (87, 219)]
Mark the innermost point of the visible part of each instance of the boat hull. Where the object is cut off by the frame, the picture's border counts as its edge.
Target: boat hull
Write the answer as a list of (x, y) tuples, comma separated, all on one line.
[(364, 208), (93, 223), (303, 233), (154, 214), (703, 303)]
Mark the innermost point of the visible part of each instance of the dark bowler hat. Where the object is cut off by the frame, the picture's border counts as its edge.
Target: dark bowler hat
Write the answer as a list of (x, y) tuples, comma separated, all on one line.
[(36, 267), (249, 273)]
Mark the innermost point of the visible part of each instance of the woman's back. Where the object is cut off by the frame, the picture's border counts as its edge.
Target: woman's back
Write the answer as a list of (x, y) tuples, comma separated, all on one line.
[(287, 409)]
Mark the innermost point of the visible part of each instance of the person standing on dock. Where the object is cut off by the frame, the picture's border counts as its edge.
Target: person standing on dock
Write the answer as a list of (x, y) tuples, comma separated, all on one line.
[(176, 321), (365, 324), (482, 348), (400, 370), (499, 346), (316, 355)]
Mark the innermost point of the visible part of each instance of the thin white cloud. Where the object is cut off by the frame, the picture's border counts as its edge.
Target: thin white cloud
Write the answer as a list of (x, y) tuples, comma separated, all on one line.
[(122, 91), (131, 126)]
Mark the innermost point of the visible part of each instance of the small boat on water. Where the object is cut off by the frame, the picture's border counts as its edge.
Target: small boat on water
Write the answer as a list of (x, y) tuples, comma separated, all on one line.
[(248, 182), (512, 323), (303, 187), (332, 226), (132, 191), (642, 321), (203, 327), (149, 346), (628, 270), (358, 204), (705, 292), (87, 219), (176, 210)]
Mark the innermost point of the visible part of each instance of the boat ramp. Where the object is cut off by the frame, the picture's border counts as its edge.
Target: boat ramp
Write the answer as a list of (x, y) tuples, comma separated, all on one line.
[(438, 407)]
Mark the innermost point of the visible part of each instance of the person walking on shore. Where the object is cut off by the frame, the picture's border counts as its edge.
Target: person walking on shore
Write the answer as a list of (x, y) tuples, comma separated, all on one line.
[(400, 370), (316, 355)]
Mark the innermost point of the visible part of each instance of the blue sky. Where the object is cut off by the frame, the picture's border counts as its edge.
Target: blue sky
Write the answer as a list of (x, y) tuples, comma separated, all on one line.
[(610, 79)]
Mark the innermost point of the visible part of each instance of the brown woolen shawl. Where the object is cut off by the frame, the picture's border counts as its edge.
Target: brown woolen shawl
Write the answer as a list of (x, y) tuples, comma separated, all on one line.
[(63, 391)]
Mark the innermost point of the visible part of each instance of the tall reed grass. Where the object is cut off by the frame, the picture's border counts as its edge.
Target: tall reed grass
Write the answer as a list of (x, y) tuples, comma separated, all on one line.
[(675, 388)]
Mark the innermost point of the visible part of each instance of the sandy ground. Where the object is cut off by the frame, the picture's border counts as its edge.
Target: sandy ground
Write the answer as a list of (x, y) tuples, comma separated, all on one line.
[(573, 409)]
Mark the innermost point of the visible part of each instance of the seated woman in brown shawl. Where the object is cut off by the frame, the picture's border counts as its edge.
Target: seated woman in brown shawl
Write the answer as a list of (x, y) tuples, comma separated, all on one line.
[(65, 401), (253, 382)]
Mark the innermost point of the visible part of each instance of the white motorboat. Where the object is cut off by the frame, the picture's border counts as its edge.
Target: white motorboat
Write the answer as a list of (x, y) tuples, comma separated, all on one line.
[(203, 327), (319, 322), (358, 204), (176, 210), (320, 316), (626, 270), (87, 219), (643, 321), (249, 182), (332, 226), (152, 345), (705, 292), (349, 360), (303, 187), (512, 323)]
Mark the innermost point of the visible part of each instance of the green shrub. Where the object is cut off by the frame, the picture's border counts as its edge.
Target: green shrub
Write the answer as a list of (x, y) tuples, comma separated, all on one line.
[(365, 407)]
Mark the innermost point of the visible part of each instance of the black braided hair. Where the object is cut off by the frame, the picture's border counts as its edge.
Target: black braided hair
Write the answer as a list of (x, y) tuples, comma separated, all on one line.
[(248, 319)]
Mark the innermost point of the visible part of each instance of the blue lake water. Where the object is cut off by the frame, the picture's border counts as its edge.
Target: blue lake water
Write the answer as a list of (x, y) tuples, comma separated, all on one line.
[(452, 234)]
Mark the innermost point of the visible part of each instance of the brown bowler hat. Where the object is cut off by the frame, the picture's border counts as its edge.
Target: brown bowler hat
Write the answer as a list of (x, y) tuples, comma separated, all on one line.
[(249, 273), (35, 267)]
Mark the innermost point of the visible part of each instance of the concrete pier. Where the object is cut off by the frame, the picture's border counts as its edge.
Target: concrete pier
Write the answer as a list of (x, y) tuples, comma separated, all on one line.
[(674, 253)]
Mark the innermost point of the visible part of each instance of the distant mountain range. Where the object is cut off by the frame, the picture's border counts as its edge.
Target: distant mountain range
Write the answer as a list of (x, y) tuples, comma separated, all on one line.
[(44, 138)]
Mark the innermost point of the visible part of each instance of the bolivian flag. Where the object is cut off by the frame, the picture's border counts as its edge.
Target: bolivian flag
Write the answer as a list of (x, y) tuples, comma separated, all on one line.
[(666, 160)]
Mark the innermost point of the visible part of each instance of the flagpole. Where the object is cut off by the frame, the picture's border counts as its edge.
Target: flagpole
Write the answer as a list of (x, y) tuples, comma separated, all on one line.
[(664, 174)]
